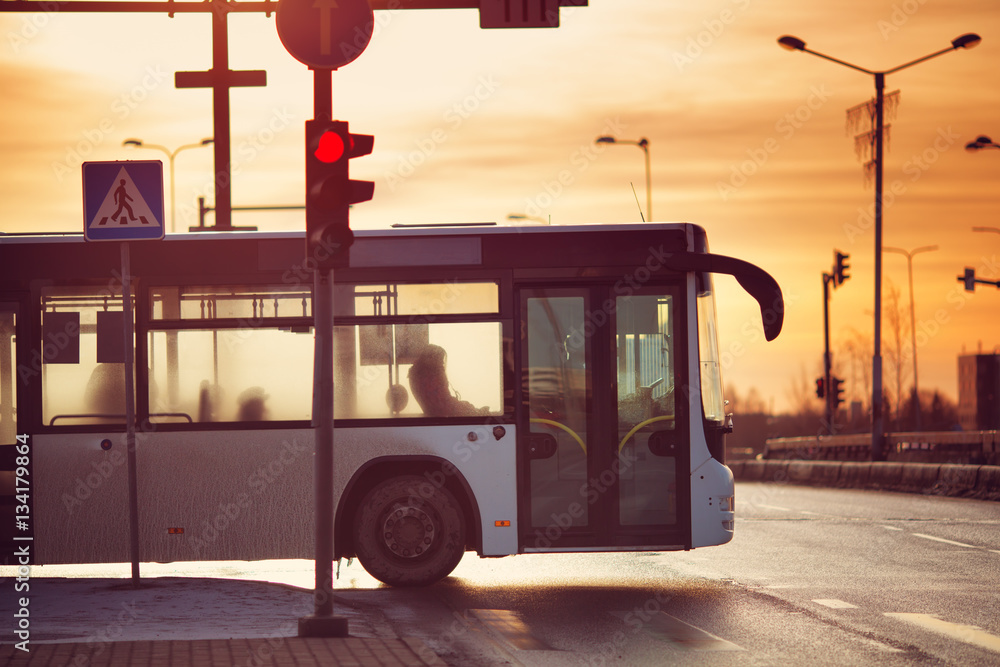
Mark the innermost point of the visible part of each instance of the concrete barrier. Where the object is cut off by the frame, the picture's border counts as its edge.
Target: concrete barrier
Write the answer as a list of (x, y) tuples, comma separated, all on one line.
[(800, 472), (885, 475), (855, 474), (920, 477), (827, 473), (988, 482), (954, 479), (945, 479)]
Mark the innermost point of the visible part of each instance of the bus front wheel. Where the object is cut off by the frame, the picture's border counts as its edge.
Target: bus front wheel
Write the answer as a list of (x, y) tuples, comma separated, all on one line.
[(409, 532)]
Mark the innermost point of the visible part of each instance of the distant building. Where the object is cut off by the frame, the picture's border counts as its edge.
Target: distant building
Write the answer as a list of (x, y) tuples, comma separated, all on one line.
[(979, 392)]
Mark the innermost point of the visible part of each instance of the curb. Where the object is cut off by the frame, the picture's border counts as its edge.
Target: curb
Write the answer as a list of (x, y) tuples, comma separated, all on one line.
[(944, 479)]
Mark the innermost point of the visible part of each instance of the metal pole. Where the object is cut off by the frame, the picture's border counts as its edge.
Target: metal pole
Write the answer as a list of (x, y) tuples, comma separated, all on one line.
[(878, 434), (220, 122), (323, 623), (133, 492), (827, 359), (323, 423), (649, 186)]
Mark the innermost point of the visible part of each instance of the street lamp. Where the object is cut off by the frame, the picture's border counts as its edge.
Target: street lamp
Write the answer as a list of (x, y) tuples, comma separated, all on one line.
[(913, 318), (139, 143), (981, 142), (644, 145), (966, 41)]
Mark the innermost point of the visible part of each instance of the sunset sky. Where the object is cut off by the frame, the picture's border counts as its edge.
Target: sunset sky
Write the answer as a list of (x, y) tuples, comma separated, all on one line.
[(746, 139)]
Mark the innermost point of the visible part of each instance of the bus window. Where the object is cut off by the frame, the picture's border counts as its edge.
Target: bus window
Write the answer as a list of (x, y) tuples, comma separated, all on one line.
[(83, 375), (412, 370), (446, 298), (708, 353), (227, 375), (249, 304), (647, 425), (556, 383), (8, 364)]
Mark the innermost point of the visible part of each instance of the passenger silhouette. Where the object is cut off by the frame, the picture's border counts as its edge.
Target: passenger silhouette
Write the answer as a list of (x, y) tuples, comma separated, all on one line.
[(122, 199), (429, 384)]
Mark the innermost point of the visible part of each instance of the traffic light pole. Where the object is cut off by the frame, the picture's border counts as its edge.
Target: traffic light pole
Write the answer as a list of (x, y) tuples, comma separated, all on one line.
[(323, 623), (828, 391)]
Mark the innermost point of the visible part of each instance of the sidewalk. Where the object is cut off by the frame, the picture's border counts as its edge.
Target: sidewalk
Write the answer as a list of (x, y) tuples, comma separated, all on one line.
[(280, 652), (173, 621)]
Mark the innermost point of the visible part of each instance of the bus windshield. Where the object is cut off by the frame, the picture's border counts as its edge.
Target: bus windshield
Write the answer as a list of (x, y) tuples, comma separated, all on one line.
[(708, 352)]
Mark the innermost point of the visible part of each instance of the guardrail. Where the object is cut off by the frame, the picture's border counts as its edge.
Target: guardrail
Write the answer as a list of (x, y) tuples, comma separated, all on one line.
[(959, 447)]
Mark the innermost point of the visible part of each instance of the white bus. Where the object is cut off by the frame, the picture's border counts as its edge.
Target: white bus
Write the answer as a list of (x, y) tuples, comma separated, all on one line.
[(502, 390)]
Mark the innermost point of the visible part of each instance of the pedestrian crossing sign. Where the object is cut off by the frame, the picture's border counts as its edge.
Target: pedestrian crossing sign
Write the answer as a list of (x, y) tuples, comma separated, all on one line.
[(123, 201)]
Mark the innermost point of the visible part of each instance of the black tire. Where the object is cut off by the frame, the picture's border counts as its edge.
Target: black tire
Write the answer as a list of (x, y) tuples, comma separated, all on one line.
[(409, 532)]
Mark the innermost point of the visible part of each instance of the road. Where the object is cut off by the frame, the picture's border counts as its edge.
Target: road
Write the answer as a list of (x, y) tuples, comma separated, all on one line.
[(814, 576)]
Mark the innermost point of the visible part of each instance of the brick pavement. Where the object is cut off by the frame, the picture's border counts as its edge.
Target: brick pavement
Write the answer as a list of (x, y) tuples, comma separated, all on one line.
[(276, 652)]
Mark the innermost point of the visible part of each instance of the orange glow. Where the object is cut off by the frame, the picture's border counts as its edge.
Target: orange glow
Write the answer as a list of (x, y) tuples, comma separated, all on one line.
[(745, 138)]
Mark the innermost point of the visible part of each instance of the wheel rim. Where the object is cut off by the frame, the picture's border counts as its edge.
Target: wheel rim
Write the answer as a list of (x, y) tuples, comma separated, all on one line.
[(408, 532)]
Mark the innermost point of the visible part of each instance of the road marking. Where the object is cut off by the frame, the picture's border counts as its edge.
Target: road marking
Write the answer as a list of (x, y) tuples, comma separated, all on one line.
[(836, 604), (970, 634), (668, 628), (892, 527), (941, 539), (511, 628)]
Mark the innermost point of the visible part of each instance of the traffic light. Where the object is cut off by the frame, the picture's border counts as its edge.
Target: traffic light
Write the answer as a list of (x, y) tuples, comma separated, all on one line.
[(836, 391), (819, 388), (840, 267), (969, 279), (329, 189)]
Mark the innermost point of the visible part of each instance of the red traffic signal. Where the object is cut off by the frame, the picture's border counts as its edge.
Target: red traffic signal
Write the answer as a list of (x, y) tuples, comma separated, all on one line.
[(329, 189), (819, 388), (840, 267)]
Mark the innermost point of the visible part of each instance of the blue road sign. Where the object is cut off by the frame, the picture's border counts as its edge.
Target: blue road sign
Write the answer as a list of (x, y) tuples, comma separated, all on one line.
[(123, 201)]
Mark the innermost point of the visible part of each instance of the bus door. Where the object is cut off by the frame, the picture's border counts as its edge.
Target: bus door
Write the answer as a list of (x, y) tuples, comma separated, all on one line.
[(603, 439), (14, 452)]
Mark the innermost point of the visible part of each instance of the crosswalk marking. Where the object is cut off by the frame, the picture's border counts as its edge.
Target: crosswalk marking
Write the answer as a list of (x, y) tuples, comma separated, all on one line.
[(969, 634)]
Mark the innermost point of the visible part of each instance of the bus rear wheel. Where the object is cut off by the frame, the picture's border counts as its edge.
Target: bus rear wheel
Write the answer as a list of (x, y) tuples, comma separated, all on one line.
[(408, 532)]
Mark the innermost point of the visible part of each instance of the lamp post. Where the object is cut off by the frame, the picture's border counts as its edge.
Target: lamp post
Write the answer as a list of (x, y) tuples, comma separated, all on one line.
[(981, 142), (139, 143), (644, 145), (913, 318), (966, 41)]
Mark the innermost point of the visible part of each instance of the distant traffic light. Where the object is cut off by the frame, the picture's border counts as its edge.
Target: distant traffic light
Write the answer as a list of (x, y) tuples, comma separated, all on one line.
[(840, 267), (329, 189), (969, 279), (836, 391), (819, 388)]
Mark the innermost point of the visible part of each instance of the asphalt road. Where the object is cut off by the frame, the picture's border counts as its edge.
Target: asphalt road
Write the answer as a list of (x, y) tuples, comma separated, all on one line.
[(813, 577)]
